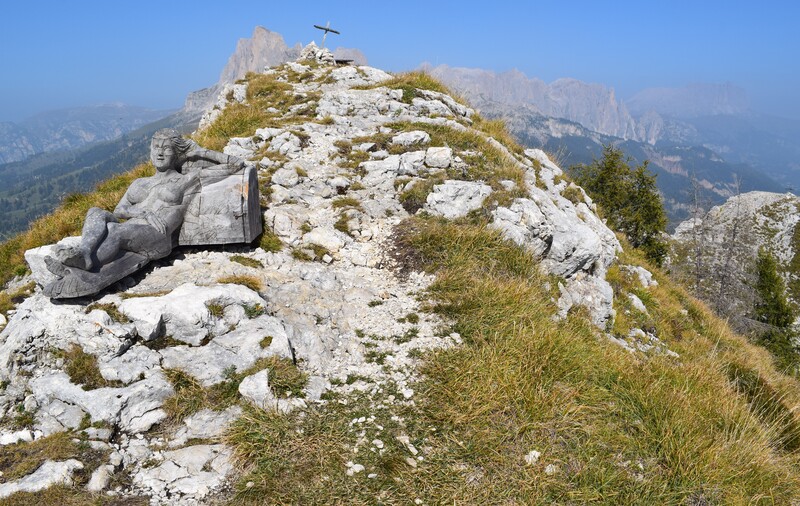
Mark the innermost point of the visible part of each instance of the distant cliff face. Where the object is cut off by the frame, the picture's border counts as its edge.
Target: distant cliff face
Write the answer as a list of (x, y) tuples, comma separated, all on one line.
[(592, 105), (727, 240), (691, 101), (263, 49)]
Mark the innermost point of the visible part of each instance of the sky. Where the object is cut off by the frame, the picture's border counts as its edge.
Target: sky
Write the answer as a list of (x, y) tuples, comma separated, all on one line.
[(57, 54)]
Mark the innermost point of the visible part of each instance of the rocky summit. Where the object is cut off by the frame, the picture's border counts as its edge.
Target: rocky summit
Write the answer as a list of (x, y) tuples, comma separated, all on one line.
[(319, 309)]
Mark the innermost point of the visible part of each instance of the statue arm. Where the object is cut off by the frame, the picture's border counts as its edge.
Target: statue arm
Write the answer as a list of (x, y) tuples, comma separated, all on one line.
[(221, 160), (125, 209)]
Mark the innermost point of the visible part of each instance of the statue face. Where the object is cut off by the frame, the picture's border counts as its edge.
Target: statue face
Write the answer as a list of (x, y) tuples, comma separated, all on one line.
[(162, 154)]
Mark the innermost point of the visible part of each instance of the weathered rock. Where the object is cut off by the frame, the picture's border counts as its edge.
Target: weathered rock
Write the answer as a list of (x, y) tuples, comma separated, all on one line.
[(100, 478), (185, 309), (454, 199), (135, 408), (438, 157), (194, 471), (524, 224), (411, 138), (637, 303), (48, 474), (8, 438), (327, 238), (381, 173), (255, 388), (411, 162), (644, 276), (286, 177), (236, 350), (205, 424)]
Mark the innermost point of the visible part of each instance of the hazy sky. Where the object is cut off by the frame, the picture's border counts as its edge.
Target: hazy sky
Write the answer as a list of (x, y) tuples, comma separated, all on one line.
[(67, 53)]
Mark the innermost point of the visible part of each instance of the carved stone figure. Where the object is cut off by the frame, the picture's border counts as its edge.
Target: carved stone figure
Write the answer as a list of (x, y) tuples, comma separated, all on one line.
[(197, 196)]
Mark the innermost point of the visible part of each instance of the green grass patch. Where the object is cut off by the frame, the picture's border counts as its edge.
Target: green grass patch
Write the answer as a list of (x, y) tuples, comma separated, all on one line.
[(190, 396), (81, 367), (252, 282), (110, 309), (9, 300), (270, 242), (247, 261), (346, 203), (268, 100), (591, 408), (216, 310)]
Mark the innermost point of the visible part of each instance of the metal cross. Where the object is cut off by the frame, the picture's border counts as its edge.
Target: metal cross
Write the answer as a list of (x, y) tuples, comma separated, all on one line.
[(327, 28)]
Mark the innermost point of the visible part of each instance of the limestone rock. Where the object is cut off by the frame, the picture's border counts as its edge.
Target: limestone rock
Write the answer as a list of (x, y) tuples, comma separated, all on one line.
[(205, 424), (185, 309), (644, 276), (8, 438), (236, 350), (255, 388), (454, 199), (100, 478), (411, 138), (48, 474), (438, 157), (134, 408), (194, 471), (327, 238), (285, 177)]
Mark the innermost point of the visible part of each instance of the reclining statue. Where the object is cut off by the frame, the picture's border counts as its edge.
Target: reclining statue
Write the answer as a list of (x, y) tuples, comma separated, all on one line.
[(197, 196)]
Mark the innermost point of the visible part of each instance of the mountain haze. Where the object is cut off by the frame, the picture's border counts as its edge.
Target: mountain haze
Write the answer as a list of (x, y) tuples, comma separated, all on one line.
[(66, 129)]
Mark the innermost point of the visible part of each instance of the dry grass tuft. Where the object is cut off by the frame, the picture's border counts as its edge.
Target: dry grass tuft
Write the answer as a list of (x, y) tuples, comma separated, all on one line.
[(252, 282)]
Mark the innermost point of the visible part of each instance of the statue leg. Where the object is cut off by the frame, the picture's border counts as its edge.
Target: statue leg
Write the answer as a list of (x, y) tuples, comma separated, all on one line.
[(145, 240), (93, 235)]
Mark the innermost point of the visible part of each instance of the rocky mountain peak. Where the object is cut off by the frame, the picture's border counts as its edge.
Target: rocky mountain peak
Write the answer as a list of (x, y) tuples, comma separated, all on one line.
[(594, 106), (264, 49)]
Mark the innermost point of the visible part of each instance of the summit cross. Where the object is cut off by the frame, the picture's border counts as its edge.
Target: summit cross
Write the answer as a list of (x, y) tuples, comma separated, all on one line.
[(327, 28)]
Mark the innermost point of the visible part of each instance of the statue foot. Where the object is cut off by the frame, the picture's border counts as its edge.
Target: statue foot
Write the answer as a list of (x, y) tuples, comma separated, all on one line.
[(55, 267), (73, 284), (74, 256)]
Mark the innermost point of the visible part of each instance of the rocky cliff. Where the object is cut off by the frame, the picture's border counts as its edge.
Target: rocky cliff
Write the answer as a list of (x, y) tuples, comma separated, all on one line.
[(594, 106), (726, 240)]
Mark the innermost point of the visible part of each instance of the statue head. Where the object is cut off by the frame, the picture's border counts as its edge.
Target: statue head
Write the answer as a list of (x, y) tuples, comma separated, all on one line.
[(168, 149)]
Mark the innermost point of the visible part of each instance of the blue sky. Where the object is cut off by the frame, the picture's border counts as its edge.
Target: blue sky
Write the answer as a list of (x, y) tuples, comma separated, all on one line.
[(68, 53)]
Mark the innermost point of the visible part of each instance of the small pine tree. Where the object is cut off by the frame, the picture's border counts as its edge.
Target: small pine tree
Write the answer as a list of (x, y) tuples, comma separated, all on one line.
[(772, 307), (629, 198)]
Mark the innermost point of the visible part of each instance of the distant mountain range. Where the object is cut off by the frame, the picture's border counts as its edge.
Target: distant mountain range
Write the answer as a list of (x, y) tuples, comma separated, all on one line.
[(35, 182), (72, 128), (705, 131)]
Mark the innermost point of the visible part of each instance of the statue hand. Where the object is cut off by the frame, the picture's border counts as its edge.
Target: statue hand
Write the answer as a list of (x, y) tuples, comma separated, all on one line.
[(157, 222)]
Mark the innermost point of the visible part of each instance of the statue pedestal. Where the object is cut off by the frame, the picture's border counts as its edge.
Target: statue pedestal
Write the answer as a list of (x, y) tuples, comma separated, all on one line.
[(225, 211)]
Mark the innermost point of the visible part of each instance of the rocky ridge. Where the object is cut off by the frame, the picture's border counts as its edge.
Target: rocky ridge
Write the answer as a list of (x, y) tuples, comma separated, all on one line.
[(329, 302), (759, 220)]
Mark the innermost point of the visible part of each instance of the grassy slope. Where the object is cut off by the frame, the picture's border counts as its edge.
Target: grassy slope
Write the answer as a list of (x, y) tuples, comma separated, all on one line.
[(713, 426)]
